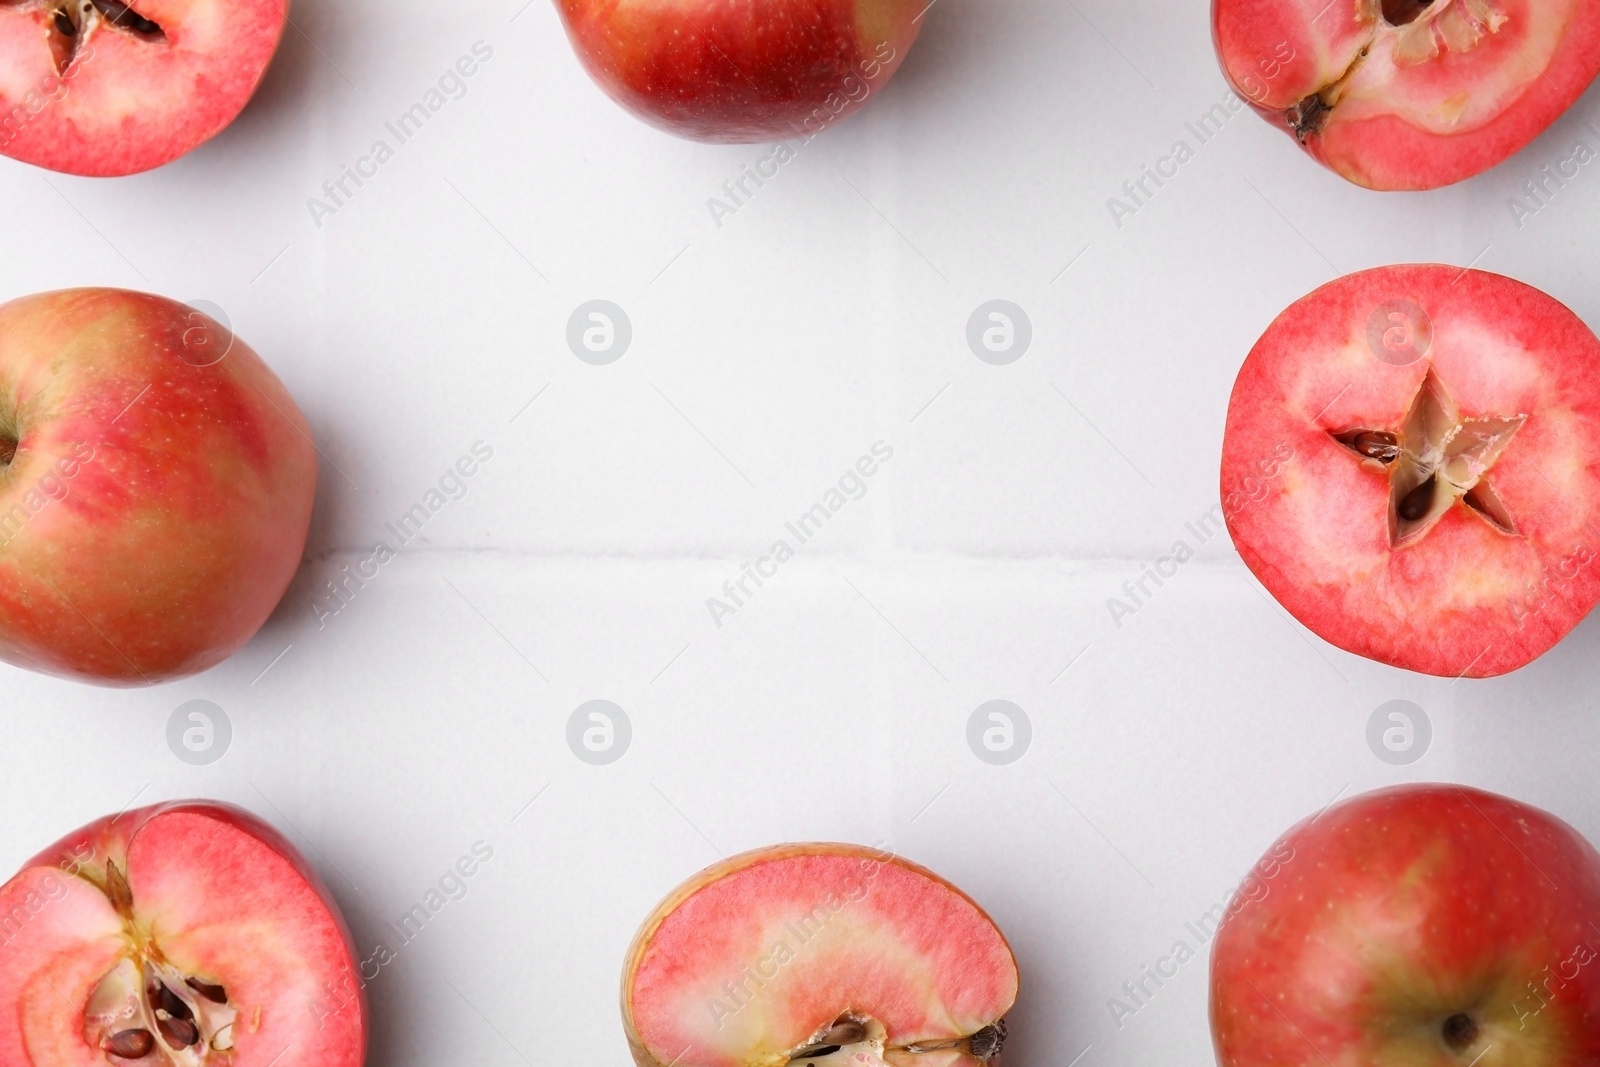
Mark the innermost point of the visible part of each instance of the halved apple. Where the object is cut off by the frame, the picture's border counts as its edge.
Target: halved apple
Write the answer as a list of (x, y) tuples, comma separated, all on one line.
[(179, 935), (820, 955)]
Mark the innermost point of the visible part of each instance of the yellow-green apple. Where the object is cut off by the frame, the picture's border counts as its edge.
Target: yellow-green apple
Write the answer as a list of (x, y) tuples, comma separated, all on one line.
[(742, 70), (1420, 926), (818, 955), (156, 482), (187, 934), (108, 87)]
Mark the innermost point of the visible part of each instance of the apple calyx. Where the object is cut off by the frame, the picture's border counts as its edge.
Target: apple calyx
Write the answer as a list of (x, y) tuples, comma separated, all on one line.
[(145, 1011), (1435, 459), (71, 24), (859, 1040), (1422, 30)]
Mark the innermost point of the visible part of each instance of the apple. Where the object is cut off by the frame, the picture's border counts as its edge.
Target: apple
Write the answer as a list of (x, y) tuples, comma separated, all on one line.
[(156, 482), (1419, 926), (178, 935), (1409, 94), (758, 70), (1411, 466), (106, 87), (821, 955)]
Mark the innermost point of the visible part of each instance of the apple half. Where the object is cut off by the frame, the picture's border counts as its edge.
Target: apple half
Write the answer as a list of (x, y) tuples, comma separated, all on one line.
[(104, 88), (822, 955), (1419, 926), (179, 935), (1409, 94), (1411, 467)]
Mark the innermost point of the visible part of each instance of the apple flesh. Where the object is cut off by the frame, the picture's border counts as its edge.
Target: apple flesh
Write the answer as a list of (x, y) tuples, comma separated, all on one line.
[(180, 935), (1411, 466), (156, 482), (819, 955), (1408, 94), (106, 87), (1420, 926), (742, 71)]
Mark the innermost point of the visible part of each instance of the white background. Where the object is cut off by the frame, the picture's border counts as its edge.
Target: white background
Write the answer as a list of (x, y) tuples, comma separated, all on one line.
[(768, 354)]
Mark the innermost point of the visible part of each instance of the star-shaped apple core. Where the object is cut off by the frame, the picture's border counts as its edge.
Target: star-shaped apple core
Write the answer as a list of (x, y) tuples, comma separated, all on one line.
[(1435, 459)]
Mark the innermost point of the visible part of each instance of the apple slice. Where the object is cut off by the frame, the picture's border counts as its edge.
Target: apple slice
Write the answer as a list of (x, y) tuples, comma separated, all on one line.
[(1409, 94), (1411, 466), (1419, 926), (179, 935), (107, 87), (822, 955)]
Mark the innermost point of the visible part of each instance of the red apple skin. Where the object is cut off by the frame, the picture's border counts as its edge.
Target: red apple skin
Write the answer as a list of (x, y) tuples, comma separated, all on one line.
[(1400, 909), (185, 512), (125, 104), (742, 71), (236, 861), (1311, 523), (1277, 52)]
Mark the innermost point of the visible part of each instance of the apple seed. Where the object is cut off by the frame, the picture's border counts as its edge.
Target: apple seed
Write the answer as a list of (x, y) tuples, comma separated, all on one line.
[(130, 1044), (214, 993)]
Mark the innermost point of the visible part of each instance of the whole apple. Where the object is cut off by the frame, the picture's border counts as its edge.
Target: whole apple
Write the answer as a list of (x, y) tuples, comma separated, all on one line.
[(181, 935), (818, 955), (112, 87), (1420, 926), (156, 482), (741, 71)]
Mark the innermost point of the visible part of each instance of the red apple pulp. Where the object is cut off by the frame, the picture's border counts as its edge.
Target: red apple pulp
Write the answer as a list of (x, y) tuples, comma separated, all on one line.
[(818, 955), (180, 935), (1411, 466), (742, 71), (108, 87), (1421, 926), (1409, 94), (156, 482)]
